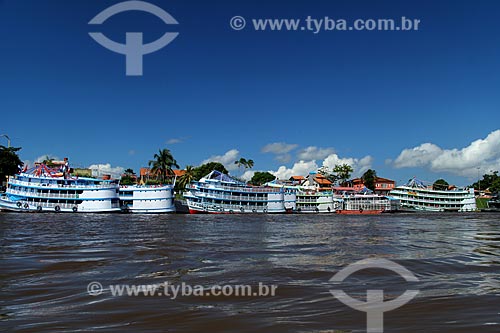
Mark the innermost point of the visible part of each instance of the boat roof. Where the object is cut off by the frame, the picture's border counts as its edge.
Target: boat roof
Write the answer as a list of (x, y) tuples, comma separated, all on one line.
[(219, 176)]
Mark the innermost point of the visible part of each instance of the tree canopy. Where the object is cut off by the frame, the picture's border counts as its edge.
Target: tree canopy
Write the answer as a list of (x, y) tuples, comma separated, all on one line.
[(10, 163), (340, 173), (490, 181), (128, 177), (260, 178), (369, 179), (440, 184), (243, 162), (206, 168), (343, 172), (186, 178), (162, 164)]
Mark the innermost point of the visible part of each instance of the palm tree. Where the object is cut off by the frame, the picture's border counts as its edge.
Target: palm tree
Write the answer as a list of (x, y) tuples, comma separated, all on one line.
[(163, 163), (48, 161), (241, 162), (186, 178), (249, 164)]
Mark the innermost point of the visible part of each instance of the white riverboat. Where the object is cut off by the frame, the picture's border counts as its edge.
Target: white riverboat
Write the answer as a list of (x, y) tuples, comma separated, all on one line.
[(147, 199), (313, 201), (351, 201), (219, 193), (44, 189), (416, 196)]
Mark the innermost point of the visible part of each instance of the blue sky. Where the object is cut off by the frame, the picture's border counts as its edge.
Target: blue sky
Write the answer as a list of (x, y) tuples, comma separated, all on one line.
[(370, 98)]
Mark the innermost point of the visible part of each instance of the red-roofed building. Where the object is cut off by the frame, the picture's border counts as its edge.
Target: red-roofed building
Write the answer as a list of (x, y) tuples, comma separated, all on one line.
[(319, 181), (382, 185), (145, 174), (297, 180)]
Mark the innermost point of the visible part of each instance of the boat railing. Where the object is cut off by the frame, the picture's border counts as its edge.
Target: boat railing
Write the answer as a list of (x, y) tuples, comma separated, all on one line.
[(44, 195), (435, 202), (421, 192), (231, 197), (244, 189), (228, 207), (65, 186)]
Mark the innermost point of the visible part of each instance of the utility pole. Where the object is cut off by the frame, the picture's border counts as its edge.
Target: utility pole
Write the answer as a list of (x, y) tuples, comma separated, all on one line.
[(479, 180)]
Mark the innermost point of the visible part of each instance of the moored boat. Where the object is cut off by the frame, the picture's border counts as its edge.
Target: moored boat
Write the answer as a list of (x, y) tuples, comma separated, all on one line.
[(45, 189), (313, 201), (363, 202), (416, 196), (147, 198), (219, 193)]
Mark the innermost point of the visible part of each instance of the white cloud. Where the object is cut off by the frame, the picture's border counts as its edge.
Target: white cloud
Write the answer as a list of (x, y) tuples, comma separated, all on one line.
[(227, 159), (417, 156), (300, 168), (358, 165), (314, 153), (483, 154), (173, 141), (131, 152), (106, 169), (281, 150), (278, 148), (247, 175), (285, 158)]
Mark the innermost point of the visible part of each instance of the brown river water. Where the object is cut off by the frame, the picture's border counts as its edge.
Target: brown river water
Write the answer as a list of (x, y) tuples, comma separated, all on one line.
[(47, 262)]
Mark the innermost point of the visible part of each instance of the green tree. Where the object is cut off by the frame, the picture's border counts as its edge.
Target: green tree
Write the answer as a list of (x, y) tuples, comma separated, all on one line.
[(48, 161), (260, 178), (249, 164), (241, 162), (325, 172), (342, 172), (495, 186), (128, 177), (162, 165), (206, 168), (10, 163), (440, 184), (369, 179), (487, 182), (186, 178)]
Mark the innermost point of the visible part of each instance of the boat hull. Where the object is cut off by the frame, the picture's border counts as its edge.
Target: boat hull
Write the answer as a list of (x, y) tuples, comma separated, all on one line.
[(147, 199), (361, 212), (12, 206)]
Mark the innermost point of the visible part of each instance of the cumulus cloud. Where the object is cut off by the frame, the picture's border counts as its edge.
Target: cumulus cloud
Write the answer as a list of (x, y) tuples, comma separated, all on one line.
[(359, 165), (314, 153), (247, 175), (281, 150), (278, 148), (417, 156), (483, 154), (227, 159), (301, 168), (106, 169)]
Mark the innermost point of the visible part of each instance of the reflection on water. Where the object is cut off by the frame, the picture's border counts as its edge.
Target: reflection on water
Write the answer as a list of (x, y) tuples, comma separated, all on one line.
[(47, 260)]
